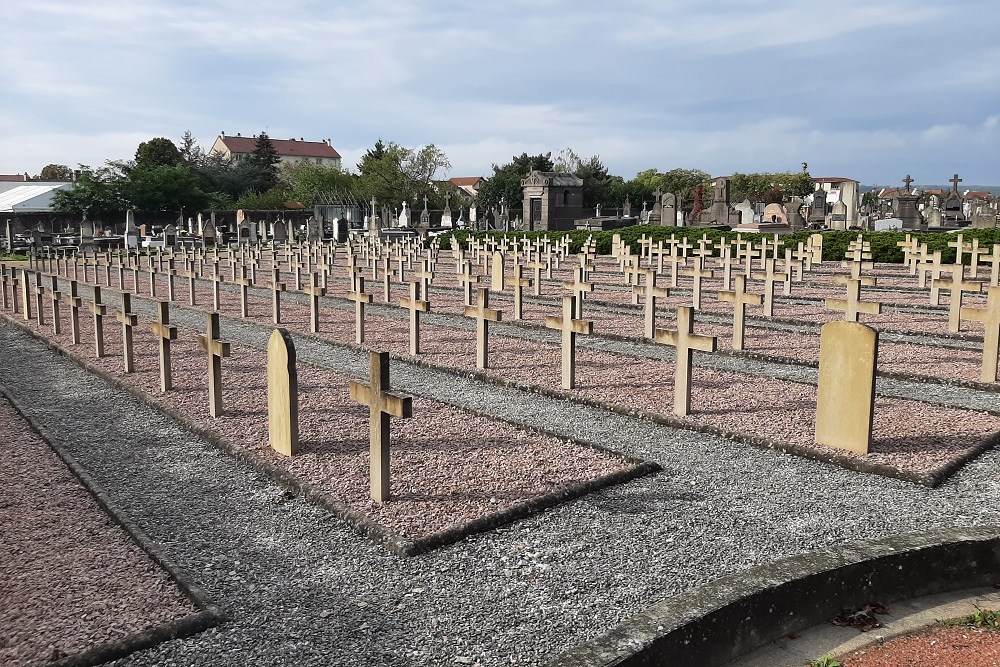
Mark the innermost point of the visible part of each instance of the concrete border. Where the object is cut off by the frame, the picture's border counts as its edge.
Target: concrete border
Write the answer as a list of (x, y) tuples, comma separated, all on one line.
[(358, 521), (738, 613), (208, 615)]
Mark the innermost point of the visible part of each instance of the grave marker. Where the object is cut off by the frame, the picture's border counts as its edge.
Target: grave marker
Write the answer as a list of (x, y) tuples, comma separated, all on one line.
[(277, 287), (845, 398), (282, 394), (315, 292), (74, 312), (685, 342), (382, 405), (569, 328), (740, 298), (164, 333), (99, 310), (217, 349), (483, 316), (56, 296), (990, 317), (415, 306), (360, 299), (128, 320), (852, 306)]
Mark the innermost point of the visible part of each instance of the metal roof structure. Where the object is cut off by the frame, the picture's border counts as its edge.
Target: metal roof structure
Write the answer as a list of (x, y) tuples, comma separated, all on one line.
[(29, 198)]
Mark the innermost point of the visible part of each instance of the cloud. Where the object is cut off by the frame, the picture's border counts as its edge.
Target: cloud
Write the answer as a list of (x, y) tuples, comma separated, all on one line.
[(855, 90)]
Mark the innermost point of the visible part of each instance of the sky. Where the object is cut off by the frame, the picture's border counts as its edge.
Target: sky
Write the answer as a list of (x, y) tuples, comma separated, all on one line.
[(866, 89)]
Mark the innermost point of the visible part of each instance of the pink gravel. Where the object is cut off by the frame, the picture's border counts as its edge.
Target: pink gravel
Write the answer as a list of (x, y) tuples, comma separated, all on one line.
[(448, 466), (70, 578)]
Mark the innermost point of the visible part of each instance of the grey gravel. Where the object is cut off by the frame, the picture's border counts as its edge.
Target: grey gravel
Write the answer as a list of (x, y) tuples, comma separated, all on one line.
[(304, 590)]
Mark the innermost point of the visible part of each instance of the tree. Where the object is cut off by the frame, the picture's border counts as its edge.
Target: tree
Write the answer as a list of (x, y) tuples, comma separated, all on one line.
[(158, 152), (762, 187), (265, 158), (95, 192), (55, 172), (164, 188), (191, 153), (393, 174), (312, 184), (505, 183), (680, 182)]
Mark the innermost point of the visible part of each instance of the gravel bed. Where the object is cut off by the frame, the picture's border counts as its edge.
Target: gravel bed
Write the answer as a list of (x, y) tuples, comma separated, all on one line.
[(70, 578), (304, 590), (449, 467), (774, 410)]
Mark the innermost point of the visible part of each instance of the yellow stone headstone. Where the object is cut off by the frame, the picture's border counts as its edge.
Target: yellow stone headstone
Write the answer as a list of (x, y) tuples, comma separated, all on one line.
[(845, 401), (282, 394)]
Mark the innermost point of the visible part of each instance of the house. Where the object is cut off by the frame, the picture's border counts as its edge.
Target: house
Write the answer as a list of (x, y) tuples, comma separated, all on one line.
[(34, 197), (291, 151), (467, 184)]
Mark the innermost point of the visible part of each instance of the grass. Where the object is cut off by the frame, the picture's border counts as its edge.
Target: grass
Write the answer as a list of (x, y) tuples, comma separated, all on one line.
[(7, 257), (826, 661), (988, 619)]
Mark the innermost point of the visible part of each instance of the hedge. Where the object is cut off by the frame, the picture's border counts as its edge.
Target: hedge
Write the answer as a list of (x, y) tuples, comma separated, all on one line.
[(883, 244)]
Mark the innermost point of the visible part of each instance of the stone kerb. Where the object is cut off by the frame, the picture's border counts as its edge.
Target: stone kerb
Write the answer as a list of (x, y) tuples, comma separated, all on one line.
[(736, 614)]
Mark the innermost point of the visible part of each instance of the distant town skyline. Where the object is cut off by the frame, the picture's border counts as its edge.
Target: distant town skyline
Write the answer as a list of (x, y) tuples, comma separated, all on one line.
[(869, 90)]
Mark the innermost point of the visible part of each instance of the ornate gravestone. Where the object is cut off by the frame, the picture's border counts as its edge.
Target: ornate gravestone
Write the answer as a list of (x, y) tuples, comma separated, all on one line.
[(446, 215), (793, 213), (169, 236), (668, 210), (425, 216), (131, 232), (208, 235), (906, 207)]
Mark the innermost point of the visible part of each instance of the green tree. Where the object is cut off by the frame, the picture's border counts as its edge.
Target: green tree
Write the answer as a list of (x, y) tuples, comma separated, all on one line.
[(393, 174), (768, 188), (55, 172), (164, 188), (265, 158), (505, 183), (158, 152), (191, 153), (312, 184), (97, 192)]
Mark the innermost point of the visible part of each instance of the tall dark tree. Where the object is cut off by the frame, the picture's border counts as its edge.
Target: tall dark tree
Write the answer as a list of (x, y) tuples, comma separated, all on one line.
[(265, 157)]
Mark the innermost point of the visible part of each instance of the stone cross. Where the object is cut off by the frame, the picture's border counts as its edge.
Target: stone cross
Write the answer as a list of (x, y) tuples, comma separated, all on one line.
[(954, 182), (56, 296), (992, 259), (99, 310), (959, 247), (360, 298), (740, 299), (74, 311), (907, 182), (650, 293), (415, 306), (853, 305), (315, 292), (569, 328), (191, 276), (164, 332), (845, 395), (483, 316), (685, 342), (382, 405), (282, 394), (128, 320), (579, 287), (277, 287), (387, 274), (990, 317), (217, 349), (957, 286)]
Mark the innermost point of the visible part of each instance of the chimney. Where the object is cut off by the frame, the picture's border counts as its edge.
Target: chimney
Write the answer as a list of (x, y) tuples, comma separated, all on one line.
[(301, 139), (238, 134), (222, 134)]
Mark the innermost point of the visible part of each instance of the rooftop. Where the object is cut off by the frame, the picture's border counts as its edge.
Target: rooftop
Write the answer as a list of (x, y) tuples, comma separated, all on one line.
[(284, 147)]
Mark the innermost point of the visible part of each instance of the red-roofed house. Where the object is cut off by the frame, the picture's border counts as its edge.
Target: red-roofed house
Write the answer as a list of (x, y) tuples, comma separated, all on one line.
[(291, 151), (14, 178), (467, 184)]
